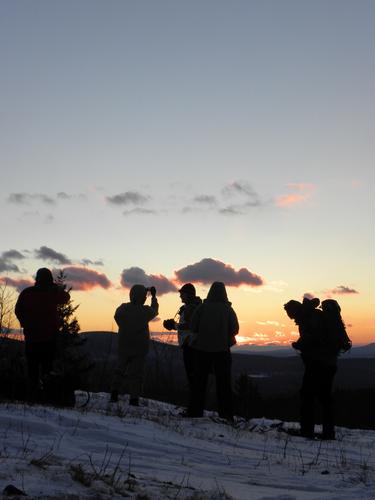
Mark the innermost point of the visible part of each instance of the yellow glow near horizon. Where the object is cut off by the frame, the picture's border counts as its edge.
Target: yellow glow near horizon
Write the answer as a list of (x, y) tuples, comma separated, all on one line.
[(261, 315)]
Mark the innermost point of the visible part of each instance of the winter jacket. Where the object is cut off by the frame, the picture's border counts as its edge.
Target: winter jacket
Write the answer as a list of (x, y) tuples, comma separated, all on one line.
[(36, 310), (214, 323), (184, 334), (132, 319)]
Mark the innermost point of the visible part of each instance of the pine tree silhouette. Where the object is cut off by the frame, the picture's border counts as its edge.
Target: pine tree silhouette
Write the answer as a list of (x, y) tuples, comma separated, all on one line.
[(71, 363), (68, 322)]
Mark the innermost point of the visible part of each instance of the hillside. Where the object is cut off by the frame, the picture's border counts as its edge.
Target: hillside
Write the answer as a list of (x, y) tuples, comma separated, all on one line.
[(274, 382), (105, 451), (273, 374)]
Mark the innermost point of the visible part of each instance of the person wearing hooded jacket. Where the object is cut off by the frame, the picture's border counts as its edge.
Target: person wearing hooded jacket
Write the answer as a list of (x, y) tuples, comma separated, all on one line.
[(132, 319), (215, 325), (37, 311)]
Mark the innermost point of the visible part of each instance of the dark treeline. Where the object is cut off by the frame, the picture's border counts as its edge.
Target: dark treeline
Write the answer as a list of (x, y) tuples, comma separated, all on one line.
[(165, 381)]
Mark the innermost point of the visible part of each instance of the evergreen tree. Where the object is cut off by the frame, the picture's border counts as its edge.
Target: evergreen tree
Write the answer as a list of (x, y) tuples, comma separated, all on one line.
[(71, 363), (68, 321)]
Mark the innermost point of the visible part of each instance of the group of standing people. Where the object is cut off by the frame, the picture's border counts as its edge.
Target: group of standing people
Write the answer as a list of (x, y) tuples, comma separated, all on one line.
[(206, 330)]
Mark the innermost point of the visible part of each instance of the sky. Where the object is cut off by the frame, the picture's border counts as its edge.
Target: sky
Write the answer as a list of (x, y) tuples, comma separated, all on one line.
[(164, 142)]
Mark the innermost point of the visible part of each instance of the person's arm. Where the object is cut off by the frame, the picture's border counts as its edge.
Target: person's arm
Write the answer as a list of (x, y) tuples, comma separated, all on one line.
[(195, 320), (20, 309), (189, 310), (345, 341), (234, 326), (153, 309), (118, 315)]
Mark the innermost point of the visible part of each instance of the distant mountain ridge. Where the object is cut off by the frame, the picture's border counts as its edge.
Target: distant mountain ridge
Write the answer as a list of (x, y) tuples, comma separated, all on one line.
[(276, 371), (362, 351)]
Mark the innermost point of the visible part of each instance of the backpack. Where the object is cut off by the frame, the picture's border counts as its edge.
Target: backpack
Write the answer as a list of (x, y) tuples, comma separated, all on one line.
[(334, 338)]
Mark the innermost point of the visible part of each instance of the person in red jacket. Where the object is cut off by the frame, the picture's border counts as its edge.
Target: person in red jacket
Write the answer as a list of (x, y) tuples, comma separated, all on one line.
[(37, 312)]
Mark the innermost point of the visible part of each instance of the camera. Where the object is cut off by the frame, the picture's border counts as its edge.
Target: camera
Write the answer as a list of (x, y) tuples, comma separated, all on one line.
[(152, 290), (169, 324)]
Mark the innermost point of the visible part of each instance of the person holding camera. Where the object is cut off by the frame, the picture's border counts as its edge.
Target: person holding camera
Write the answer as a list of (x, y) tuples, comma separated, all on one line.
[(190, 302), (132, 319)]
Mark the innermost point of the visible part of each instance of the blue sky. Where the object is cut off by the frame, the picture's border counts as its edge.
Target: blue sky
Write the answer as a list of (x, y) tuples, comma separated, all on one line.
[(158, 134)]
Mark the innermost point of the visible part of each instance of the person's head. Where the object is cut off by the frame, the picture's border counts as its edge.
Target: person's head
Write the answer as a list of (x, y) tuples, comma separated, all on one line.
[(138, 294), (187, 293), (331, 306), (43, 277), (293, 308), (310, 304), (217, 292)]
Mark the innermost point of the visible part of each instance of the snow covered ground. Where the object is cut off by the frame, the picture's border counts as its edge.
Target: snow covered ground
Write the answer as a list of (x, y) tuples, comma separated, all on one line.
[(107, 450)]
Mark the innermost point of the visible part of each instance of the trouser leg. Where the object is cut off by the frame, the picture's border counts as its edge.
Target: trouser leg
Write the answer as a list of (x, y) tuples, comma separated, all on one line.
[(188, 355), (32, 360), (307, 417), (202, 366), (47, 353), (117, 379), (134, 372), (129, 372), (325, 397), (222, 363)]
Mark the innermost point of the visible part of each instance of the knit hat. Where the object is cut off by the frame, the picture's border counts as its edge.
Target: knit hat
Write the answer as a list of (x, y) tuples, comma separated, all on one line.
[(188, 288), (43, 277)]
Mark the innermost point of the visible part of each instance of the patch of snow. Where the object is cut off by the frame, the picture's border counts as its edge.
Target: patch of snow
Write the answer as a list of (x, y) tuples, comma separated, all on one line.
[(113, 450)]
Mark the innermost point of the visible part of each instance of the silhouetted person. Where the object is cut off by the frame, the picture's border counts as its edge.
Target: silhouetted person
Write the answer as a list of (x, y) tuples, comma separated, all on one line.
[(215, 325), (320, 360), (132, 319), (37, 312), (183, 326)]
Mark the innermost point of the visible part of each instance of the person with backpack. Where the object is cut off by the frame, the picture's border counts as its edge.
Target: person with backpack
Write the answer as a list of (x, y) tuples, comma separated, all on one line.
[(215, 326), (190, 302), (319, 354), (37, 311), (132, 319)]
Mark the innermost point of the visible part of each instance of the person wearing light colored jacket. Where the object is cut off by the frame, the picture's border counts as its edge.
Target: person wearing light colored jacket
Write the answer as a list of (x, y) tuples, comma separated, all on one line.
[(215, 325), (132, 319), (184, 335)]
